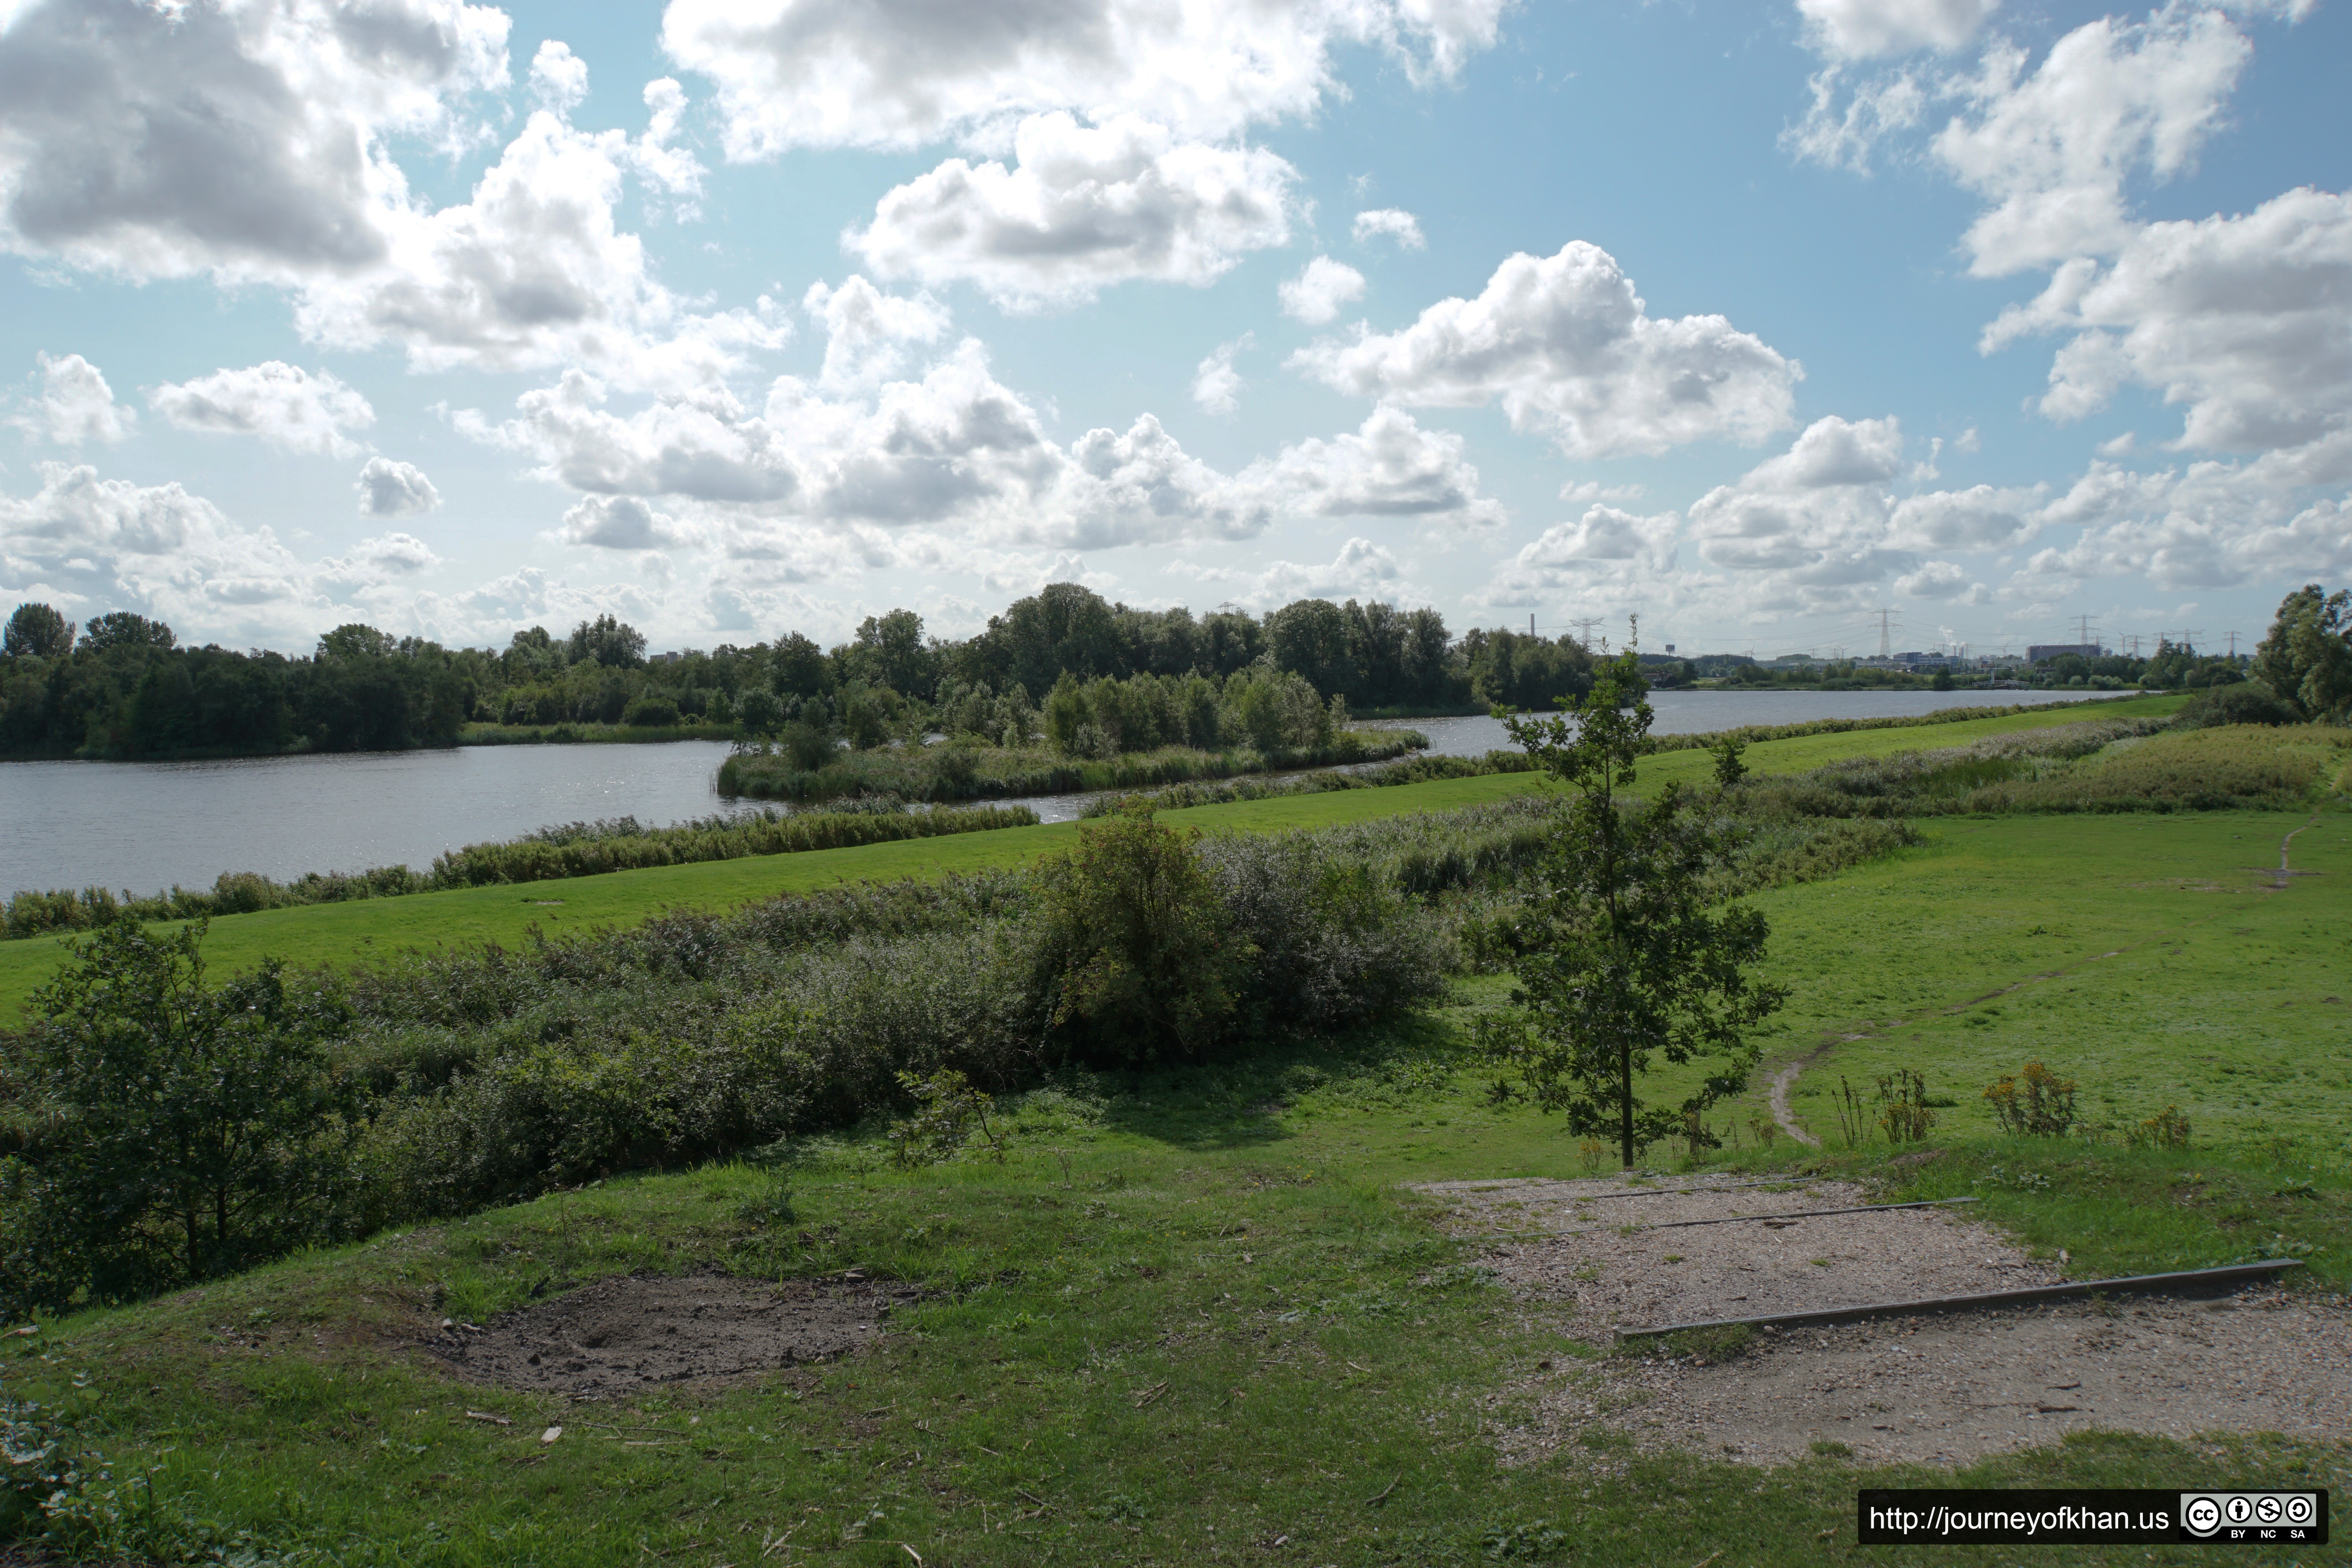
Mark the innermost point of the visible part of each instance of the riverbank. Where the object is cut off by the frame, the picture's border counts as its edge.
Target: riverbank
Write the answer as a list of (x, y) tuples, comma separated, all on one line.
[(379, 931)]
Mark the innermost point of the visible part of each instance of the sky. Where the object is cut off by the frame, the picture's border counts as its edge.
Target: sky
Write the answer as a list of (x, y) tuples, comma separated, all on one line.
[(1782, 327)]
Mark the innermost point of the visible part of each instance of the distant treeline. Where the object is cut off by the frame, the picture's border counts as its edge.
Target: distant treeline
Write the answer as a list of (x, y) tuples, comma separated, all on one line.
[(572, 849), (122, 686)]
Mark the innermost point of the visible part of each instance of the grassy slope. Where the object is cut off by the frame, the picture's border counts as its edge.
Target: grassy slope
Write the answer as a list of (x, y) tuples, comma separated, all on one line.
[(1241, 1236), (379, 928), (2136, 955)]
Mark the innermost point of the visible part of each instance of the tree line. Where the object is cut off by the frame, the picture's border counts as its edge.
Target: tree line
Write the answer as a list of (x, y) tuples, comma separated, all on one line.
[(123, 686)]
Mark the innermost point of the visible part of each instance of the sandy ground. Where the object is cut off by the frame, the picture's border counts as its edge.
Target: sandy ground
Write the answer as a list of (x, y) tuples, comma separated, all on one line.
[(623, 1335), (1939, 1388)]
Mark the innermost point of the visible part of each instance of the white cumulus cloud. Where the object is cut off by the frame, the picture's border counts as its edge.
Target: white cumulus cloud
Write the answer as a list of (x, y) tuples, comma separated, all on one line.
[(559, 79), (75, 405), (617, 523), (1818, 529), (1391, 223), (2051, 149), (1361, 570), (282, 404), (1859, 28), (1081, 209), (2239, 319), (1565, 346), (98, 544), (1320, 292), (902, 73), (254, 143), (390, 488), (1216, 384)]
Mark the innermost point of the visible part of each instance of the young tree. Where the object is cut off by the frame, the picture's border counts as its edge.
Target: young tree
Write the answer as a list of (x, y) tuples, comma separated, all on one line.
[(1147, 968), (1620, 956), (180, 1131)]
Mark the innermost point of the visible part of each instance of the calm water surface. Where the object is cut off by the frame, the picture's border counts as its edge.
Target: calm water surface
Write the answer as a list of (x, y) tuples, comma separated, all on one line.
[(144, 826)]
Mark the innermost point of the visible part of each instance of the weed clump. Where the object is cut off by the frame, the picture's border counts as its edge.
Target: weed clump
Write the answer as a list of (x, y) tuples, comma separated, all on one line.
[(2034, 1103)]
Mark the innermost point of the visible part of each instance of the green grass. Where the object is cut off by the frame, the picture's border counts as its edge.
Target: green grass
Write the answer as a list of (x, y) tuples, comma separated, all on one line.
[(1241, 1238), (377, 930), (1226, 1323), (2135, 954)]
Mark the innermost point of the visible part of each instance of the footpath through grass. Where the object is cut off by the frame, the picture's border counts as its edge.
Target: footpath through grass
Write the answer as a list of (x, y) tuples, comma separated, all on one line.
[(378, 930)]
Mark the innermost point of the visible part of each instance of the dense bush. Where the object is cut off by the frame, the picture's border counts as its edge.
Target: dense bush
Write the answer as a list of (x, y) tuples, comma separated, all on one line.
[(180, 1132), (1142, 952), (2248, 702)]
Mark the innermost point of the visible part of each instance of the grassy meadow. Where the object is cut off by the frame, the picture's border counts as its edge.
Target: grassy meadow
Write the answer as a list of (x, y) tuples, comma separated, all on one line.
[(1224, 1331), (378, 930), (1199, 1316)]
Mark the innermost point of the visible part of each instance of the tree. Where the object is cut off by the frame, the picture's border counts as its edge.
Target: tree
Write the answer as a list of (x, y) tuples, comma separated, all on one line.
[(2306, 658), (1309, 637), (1620, 957), (1146, 969), (614, 644), (799, 665), (758, 711), (37, 631), (121, 629), (355, 640), (891, 652), (179, 1131)]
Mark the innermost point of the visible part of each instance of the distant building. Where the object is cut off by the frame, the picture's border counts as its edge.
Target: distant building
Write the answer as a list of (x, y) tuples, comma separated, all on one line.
[(2037, 652)]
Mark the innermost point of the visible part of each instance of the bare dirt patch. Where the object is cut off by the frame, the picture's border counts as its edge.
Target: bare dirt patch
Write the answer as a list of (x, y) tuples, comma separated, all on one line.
[(1938, 1388), (626, 1334)]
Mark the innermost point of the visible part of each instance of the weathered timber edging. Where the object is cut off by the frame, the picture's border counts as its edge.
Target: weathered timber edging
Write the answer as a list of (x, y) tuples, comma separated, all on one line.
[(2134, 1284), (1803, 1214)]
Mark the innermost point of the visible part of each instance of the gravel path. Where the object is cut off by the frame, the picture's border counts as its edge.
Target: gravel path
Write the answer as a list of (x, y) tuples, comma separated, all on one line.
[(1939, 1389)]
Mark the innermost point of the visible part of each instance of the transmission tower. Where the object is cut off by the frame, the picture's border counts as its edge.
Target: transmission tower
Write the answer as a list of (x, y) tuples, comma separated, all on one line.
[(2082, 634), (2233, 644), (1584, 625), (1885, 633), (2189, 640)]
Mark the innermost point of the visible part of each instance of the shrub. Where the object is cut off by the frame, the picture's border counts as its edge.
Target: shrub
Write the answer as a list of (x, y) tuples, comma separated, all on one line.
[(651, 712), (2035, 1103), (2248, 702), (1144, 965), (948, 1111), (181, 1131)]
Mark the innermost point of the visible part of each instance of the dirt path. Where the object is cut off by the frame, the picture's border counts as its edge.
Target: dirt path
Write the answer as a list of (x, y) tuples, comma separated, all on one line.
[(1935, 1388), (1780, 1112)]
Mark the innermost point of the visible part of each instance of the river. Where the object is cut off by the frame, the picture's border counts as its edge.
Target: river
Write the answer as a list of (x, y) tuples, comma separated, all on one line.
[(145, 825)]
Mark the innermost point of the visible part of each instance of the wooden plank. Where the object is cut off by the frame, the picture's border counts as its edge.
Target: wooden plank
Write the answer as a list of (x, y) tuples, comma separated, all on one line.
[(2235, 1273)]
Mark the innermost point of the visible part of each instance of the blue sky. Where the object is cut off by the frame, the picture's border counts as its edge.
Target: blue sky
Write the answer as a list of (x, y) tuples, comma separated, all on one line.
[(735, 319)]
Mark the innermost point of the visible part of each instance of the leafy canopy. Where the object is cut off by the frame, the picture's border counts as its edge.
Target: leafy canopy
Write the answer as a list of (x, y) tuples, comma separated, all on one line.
[(1621, 959), (180, 1132), (1148, 970), (2306, 658)]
